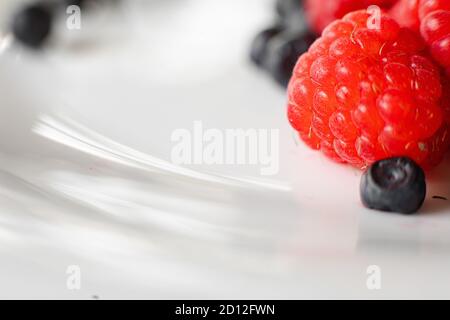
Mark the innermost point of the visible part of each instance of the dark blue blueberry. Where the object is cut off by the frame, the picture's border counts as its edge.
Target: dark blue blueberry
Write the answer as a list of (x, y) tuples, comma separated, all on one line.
[(284, 53), (80, 3), (75, 2), (287, 8), (393, 185), (32, 25), (259, 47)]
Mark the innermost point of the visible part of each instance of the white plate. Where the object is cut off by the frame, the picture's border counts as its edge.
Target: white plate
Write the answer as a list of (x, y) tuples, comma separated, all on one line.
[(86, 175)]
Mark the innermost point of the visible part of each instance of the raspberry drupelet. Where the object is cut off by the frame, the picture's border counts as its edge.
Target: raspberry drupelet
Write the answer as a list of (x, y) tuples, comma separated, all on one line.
[(406, 13), (361, 95)]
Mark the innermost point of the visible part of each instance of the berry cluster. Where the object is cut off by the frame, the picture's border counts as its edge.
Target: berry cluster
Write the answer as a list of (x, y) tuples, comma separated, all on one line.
[(361, 95), (277, 48), (377, 96)]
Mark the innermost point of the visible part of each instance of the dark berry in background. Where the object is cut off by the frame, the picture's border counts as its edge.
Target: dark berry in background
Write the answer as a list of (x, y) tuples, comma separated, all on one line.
[(394, 185), (260, 44), (287, 8), (277, 48), (80, 3), (74, 2), (284, 53), (32, 25)]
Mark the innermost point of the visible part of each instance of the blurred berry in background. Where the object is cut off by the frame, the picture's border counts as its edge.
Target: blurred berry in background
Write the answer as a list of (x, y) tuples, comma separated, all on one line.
[(277, 48), (32, 24)]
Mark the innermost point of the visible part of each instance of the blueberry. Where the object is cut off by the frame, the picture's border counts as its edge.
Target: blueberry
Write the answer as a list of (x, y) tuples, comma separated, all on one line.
[(286, 8), (393, 185), (284, 53), (79, 3), (260, 44), (32, 25)]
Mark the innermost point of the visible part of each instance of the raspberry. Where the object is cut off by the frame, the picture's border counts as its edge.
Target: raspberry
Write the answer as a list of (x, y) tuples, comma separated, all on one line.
[(406, 13), (320, 13), (435, 29), (361, 95), (432, 19), (428, 6)]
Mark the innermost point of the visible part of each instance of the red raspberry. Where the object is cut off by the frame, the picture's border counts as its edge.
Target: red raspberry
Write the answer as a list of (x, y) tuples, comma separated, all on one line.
[(406, 13), (320, 13), (435, 29), (361, 95), (428, 6), (432, 18)]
